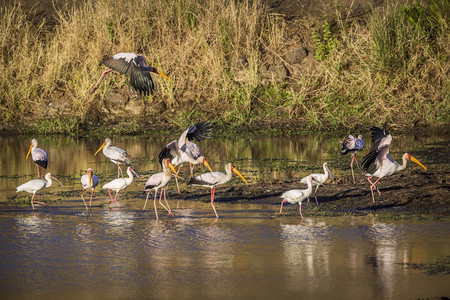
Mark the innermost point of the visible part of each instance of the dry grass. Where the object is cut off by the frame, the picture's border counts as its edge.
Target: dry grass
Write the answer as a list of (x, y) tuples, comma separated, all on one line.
[(213, 50)]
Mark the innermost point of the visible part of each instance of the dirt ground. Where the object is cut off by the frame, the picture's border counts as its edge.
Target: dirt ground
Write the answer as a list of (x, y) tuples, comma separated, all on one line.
[(409, 194)]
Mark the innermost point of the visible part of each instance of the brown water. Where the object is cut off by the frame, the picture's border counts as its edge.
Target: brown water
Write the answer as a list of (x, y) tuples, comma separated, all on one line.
[(60, 252)]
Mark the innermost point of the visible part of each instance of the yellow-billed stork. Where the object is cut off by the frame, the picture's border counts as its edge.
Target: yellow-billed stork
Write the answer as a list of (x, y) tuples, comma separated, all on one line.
[(159, 181), (134, 66), (89, 181), (183, 150), (352, 145), (39, 156), (115, 154), (379, 163), (213, 179)]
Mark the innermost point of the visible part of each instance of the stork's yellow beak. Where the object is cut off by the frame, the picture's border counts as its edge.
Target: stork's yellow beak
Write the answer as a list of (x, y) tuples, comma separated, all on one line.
[(29, 151), (418, 162), (239, 174), (101, 147), (173, 169), (207, 165), (164, 75)]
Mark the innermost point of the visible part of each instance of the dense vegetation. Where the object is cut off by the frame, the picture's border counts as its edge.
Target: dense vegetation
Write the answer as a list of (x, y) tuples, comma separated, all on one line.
[(390, 66)]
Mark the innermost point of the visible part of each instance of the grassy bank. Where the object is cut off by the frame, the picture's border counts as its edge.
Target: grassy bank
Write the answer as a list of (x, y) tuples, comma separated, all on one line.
[(389, 67)]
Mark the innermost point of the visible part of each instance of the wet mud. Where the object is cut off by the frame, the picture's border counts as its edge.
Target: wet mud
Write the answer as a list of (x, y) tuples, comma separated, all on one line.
[(410, 194)]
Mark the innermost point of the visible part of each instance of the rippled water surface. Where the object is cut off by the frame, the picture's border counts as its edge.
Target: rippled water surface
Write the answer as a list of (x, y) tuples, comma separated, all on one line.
[(61, 252)]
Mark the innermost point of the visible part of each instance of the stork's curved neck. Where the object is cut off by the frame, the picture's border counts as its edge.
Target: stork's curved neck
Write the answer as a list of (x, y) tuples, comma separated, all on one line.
[(405, 162), (325, 170), (309, 183), (129, 180), (49, 181)]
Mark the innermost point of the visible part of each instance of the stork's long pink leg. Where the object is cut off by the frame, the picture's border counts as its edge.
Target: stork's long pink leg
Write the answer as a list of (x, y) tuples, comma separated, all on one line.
[(145, 204), (168, 209), (119, 169), (176, 179), (154, 204), (281, 208), (212, 201), (351, 166), (109, 191), (95, 86), (84, 200), (37, 166), (372, 186), (90, 202), (300, 209), (315, 191), (32, 199), (115, 199)]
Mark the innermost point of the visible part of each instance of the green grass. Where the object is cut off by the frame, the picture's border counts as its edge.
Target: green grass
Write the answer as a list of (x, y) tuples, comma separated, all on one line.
[(390, 68)]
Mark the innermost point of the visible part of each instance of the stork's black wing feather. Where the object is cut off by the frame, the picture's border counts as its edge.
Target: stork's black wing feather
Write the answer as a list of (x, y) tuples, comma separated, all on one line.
[(199, 131), (378, 137), (120, 65), (140, 80)]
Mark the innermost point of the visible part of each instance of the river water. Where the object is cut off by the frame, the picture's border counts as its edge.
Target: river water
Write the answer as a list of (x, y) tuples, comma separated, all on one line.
[(61, 252)]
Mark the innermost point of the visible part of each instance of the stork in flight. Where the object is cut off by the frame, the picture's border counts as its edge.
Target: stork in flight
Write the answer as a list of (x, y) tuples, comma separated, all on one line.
[(213, 179), (134, 66), (39, 156), (183, 150), (352, 145), (379, 163)]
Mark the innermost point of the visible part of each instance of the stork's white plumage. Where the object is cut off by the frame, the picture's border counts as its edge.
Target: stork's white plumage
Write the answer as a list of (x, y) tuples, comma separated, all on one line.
[(297, 196), (379, 163), (318, 179), (39, 156), (184, 151), (115, 154), (213, 179), (35, 185), (119, 184), (352, 145), (89, 181), (134, 66), (159, 181)]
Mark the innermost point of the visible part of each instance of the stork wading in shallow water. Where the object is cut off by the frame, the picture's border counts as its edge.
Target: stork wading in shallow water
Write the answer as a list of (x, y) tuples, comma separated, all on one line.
[(89, 181), (159, 181), (35, 185), (39, 156), (213, 179), (119, 184), (184, 151), (352, 145), (318, 179), (115, 154), (297, 196), (379, 163), (134, 66)]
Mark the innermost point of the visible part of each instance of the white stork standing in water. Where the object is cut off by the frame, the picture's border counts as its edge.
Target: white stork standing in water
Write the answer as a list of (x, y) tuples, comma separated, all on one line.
[(134, 66), (318, 179), (297, 196), (89, 181), (352, 145), (213, 179), (159, 181), (115, 154), (183, 150), (119, 184), (39, 156), (379, 163), (35, 185)]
